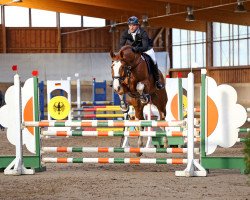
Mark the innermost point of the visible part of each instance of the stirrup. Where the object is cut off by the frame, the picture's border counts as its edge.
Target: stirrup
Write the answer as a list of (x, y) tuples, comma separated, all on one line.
[(144, 99)]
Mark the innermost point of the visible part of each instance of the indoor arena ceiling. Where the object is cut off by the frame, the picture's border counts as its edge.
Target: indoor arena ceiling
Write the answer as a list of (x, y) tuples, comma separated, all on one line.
[(160, 13)]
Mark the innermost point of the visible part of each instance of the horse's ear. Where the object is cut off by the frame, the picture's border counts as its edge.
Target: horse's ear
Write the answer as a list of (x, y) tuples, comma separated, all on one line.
[(112, 55), (121, 54)]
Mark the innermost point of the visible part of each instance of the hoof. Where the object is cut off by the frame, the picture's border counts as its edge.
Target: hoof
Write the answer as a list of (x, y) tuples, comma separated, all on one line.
[(124, 108)]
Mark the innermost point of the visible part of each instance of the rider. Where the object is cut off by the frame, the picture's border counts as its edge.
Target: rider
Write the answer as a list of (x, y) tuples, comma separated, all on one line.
[(139, 40)]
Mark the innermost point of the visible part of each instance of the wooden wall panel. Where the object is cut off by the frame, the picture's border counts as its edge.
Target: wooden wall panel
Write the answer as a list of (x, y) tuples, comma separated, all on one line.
[(86, 41), (233, 75), (221, 75), (45, 40), (184, 73), (31, 40)]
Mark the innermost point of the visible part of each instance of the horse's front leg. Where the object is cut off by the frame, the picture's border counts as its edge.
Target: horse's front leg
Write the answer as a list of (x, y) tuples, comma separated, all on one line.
[(124, 106), (143, 98)]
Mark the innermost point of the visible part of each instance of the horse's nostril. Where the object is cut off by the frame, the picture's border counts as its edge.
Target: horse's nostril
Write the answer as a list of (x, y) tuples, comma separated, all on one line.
[(118, 88)]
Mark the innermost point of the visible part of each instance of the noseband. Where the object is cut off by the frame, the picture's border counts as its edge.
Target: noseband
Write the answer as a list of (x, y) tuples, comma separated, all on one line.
[(127, 70)]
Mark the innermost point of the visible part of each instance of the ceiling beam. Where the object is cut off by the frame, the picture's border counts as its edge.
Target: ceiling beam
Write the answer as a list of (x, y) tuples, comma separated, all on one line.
[(73, 8), (211, 15), (138, 6), (223, 17), (178, 22), (198, 3)]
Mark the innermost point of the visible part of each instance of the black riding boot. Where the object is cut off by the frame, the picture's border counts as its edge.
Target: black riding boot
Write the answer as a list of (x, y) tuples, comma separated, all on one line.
[(156, 75)]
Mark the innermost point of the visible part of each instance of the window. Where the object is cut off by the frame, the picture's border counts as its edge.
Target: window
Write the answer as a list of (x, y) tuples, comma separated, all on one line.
[(231, 44), (42, 18), (93, 22), (16, 16), (68, 20), (189, 49)]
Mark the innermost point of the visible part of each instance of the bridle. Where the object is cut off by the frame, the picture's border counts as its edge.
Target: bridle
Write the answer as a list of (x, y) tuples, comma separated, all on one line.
[(127, 74)]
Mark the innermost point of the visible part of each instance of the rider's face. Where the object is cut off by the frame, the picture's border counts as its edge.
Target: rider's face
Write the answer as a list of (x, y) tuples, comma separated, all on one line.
[(133, 27)]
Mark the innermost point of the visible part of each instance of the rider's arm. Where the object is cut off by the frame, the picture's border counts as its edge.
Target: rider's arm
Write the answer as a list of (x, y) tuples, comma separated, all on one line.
[(144, 43), (123, 39)]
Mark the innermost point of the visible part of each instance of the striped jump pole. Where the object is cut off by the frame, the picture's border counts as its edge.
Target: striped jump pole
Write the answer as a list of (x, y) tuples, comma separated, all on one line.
[(99, 109), (243, 130), (87, 116), (115, 150), (118, 133), (117, 160), (93, 103), (104, 123), (243, 139)]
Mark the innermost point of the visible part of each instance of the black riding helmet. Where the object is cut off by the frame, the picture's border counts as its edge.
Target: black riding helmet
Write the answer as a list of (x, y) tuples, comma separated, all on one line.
[(133, 20)]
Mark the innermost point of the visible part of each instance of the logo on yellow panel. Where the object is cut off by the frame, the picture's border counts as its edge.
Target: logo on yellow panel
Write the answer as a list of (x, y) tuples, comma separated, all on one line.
[(59, 107)]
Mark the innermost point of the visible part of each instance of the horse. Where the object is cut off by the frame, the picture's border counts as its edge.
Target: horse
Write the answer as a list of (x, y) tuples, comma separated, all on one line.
[(131, 76)]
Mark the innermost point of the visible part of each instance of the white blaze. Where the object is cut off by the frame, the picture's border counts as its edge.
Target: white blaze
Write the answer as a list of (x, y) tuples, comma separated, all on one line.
[(116, 69)]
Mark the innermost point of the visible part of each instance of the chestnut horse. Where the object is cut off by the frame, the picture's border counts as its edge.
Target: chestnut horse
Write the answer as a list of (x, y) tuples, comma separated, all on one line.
[(131, 76)]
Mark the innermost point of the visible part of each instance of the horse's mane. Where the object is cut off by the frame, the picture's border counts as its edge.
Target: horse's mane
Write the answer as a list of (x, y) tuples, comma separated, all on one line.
[(125, 47), (127, 54)]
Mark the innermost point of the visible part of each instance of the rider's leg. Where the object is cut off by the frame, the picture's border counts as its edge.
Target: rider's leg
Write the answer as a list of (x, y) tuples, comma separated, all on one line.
[(156, 74)]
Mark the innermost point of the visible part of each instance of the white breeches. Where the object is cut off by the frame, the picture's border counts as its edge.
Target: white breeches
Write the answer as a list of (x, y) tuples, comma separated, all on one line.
[(151, 53)]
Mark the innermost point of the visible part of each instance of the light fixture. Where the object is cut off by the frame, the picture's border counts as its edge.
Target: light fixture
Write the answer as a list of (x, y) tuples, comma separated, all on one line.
[(112, 28), (144, 21), (240, 7), (190, 14), (168, 9)]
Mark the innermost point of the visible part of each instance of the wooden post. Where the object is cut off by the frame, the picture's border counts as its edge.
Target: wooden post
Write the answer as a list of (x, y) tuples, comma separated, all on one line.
[(3, 30), (209, 46), (59, 40), (30, 18)]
